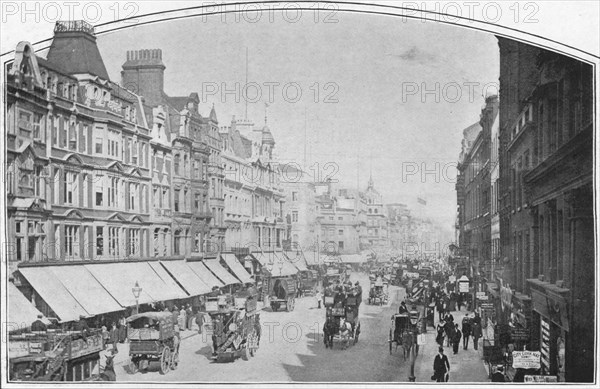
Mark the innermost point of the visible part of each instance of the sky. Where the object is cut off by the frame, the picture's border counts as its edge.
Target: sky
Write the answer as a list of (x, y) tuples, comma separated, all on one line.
[(371, 114)]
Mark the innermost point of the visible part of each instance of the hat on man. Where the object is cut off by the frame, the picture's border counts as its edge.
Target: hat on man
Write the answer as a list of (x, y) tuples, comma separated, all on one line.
[(40, 316)]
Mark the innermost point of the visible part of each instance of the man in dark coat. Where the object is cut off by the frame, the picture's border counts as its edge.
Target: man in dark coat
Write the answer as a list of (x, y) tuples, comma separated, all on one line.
[(466, 330), (456, 339), (38, 325), (441, 366)]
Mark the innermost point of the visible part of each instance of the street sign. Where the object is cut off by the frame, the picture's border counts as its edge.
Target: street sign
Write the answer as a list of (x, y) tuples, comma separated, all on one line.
[(541, 379), (526, 359)]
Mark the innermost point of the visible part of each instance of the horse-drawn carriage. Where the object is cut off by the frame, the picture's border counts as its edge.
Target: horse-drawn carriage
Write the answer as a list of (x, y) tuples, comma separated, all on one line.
[(153, 338), (378, 294), (402, 331), (235, 330), (341, 321), (282, 293), (308, 282)]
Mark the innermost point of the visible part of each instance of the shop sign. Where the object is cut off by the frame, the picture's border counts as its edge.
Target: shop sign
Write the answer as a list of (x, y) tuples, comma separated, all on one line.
[(541, 379), (519, 334), (526, 359), (482, 296), (463, 284)]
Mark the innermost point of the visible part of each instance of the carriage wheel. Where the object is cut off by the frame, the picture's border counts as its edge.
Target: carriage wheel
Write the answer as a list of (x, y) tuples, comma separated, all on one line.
[(165, 360), (174, 360)]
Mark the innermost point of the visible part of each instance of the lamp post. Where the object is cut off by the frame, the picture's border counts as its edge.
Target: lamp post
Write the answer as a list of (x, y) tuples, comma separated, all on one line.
[(136, 290), (414, 320)]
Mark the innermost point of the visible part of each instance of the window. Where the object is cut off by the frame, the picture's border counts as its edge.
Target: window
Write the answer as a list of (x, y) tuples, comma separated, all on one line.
[(176, 200), (341, 245), (73, 136), (99, 142), (196, 202), (113, 192), (84, 134), (134, 157), (71, 241), (340, 232), (294, 216), (176, 165), (113, 241), (133, 242), (340, 218), (99, 191), (37, 126), (177, 242), (70, 187), (294, 196)]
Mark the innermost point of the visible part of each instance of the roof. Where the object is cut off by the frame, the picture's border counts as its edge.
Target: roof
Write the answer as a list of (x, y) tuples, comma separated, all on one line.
[(76, 52)]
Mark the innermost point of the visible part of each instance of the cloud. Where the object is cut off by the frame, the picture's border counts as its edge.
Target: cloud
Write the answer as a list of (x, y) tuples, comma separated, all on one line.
[(414, 54)]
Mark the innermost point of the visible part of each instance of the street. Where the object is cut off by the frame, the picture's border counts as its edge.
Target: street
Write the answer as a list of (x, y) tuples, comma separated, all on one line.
[(292, 350)]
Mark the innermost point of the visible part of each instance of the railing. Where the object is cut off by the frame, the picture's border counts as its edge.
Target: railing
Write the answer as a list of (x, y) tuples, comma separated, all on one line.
[(73, 25)]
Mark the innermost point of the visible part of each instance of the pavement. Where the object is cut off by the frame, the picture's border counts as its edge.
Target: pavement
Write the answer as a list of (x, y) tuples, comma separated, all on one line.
[(465, 367)]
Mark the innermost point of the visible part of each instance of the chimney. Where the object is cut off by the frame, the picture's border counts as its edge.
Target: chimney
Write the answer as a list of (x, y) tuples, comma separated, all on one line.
[(143, 73)]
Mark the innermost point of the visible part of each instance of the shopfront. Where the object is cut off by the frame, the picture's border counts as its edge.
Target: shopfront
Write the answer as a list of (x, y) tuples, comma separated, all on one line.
[(550, 326), (520, 322)]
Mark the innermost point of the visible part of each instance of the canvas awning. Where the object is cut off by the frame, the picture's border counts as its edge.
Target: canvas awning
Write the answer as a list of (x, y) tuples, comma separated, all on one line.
[(21, 312), (52, 291), (276, 264), (120, 278), (353, 258), (297, 259), (221, 272), (189, 280), (237, 268), (314, 259), (204, 274), (86, 289)]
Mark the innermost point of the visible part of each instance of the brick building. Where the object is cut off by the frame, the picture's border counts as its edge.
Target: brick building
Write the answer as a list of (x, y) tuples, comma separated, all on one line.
[(547, 226)]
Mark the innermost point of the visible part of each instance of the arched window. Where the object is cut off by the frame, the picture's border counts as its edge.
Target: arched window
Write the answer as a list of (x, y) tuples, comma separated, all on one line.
[(176, 164)]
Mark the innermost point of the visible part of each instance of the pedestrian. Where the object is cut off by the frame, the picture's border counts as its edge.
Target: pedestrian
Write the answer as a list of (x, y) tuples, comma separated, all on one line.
[(440, 334), (105, 335), (175, 314), (441, 367), (122, 329), (440, 309), (189, 314), (319, 297), (456, 339), (200, 321), (466, 330), (114, 335), (476, 332)]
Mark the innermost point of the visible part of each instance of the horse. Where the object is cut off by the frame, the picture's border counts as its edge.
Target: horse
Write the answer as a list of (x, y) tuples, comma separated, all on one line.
[(407, 343), (345, 331), (109, 370), (330, 328)]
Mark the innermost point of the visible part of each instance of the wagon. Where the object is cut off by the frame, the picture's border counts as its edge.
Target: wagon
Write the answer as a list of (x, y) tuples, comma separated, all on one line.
[(282, 293), (346, 309), (235, 331), (153, 338), (400, 327), (308, 281), (378, 292)]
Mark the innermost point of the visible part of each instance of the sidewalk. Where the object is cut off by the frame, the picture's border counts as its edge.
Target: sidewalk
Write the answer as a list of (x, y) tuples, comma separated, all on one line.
[(466, 366)]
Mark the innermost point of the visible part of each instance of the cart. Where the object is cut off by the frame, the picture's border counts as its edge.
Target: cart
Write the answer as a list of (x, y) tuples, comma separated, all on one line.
[(54, 356), (153, 338), (235, 330), (282, 293), (308, 282), (400, 327), (378, 293), (347, 309)]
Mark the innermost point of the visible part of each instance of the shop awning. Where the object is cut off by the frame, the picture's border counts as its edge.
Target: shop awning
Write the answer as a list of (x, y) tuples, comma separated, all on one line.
[(166, 277), (221, 272), (190, 281), (82, 285), (237, 268), (297, 259), (276, 264), (314, 259), (21, 312), (120, 278), (52, 291), (204, 274), (353, 258)]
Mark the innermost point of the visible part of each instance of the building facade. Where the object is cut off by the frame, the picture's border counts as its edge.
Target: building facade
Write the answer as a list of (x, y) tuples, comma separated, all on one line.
[(377, 221), (547, 176)]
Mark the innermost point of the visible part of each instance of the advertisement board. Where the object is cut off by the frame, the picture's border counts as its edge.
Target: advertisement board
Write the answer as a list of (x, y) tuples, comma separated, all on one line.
[(541, 379), (526, 359)]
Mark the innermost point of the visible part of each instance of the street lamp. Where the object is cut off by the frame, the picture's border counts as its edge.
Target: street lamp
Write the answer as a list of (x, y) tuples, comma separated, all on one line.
[(414, 319), (136, 290)]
